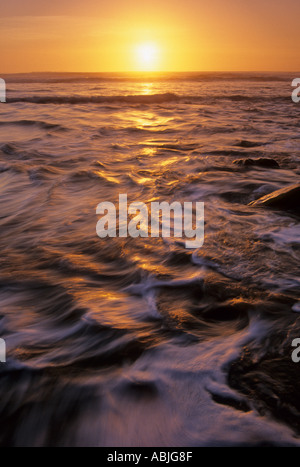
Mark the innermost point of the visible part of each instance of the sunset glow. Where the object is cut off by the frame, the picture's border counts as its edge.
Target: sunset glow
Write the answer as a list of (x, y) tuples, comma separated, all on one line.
[(150, 226), (168, 35)]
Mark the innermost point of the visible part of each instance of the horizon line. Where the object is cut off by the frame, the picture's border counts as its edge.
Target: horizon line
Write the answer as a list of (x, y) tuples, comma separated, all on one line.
[(152, 72)]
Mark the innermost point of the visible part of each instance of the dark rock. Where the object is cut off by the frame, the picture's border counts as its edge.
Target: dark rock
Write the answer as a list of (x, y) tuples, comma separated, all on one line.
[(262, 162), (287, 199), (271, 381), (249, 144)]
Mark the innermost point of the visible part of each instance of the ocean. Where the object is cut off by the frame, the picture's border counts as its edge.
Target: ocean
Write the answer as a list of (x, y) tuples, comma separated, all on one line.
[(141, 341)]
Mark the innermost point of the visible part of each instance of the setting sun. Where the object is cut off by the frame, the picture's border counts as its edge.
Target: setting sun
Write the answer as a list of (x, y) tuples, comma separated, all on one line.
[(147, 56)]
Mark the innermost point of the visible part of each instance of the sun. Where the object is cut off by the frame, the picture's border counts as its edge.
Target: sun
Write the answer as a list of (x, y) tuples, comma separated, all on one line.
[(147, 56)]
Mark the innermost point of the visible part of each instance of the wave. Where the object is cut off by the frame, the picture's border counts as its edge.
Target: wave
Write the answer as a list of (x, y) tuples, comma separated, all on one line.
[(129, 99), (143, 99), (40, 124), (56, 78)]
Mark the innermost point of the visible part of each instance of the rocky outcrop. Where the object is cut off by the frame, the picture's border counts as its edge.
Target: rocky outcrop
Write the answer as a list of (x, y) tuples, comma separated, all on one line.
[(287, 199), (262, 162)]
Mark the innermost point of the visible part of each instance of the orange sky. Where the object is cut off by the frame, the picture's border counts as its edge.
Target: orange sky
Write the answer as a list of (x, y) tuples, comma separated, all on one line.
[(187, 35)]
